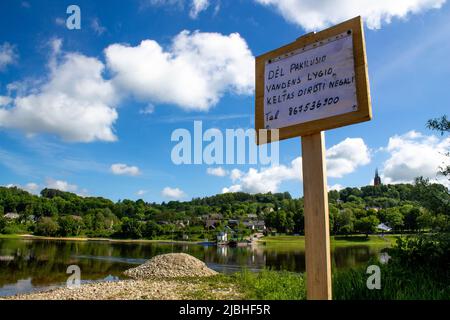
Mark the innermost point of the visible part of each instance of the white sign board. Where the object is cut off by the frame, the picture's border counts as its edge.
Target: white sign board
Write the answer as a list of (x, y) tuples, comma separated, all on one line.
[(311, 83)]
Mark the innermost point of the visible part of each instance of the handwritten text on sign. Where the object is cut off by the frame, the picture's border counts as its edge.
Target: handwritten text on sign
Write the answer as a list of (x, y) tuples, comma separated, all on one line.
[(312, 83)]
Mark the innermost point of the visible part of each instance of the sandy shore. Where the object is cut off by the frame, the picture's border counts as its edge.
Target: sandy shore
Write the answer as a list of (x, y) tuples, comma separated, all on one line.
[(164, 289)]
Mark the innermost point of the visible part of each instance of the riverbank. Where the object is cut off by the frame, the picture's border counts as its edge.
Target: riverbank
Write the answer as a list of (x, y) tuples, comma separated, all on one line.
[(157, 289), (85, 239), (243, 285), (335, 241), (299, 241)]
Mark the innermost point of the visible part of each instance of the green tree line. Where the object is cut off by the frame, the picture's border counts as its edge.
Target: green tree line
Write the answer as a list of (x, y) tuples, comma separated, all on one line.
[(414, 207)]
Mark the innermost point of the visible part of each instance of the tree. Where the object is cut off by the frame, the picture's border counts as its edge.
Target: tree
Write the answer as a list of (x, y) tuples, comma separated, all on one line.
[(47, 227), (151, 230), (131, 228), (2, 224), (70, 226), (443, 126), (394, 218), (367, 225), (344, 221)]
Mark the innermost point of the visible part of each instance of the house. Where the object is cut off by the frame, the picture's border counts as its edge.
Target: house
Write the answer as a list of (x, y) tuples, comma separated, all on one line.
[(12, 216), (252, 216), (222, 237), (258, 225), (384, 227)]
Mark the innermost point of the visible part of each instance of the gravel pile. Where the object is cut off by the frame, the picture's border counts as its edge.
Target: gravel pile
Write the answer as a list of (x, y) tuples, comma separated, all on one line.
[(161, 289), (172, 265)]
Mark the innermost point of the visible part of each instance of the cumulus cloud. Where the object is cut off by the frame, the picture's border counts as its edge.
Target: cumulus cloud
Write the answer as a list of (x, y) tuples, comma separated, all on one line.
[(123, 169), (173, 193), (412, 155), (193, 73), (346, 156), (31, 187), (5, 100), (8, 55), (336, 187), (264, 180), (342, 159), (75, 102), (61, 185), (218, 172), (313, 14)]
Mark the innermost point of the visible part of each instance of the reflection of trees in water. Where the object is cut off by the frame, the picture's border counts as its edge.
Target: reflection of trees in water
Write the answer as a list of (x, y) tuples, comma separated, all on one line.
[(349, 257), (46, 262)]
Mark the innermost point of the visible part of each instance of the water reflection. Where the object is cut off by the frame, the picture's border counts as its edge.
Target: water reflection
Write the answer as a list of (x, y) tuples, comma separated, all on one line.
[(27, 265)]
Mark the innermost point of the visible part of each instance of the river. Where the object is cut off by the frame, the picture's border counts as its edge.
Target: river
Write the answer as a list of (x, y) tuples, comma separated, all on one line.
[(30, 265)]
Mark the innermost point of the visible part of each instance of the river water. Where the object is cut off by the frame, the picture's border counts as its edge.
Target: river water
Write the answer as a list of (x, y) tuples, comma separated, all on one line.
[(30, 265)]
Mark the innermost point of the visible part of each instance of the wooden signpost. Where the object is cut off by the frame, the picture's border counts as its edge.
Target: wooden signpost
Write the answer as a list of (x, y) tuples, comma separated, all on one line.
[(316, 83)]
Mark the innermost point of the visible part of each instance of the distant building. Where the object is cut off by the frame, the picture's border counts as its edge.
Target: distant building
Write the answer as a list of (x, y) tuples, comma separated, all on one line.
[(377, 179), (222, 237), (384, 227), (12, 216)]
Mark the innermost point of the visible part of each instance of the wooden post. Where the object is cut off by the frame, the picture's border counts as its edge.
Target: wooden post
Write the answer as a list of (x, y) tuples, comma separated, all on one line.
[(317, 239)]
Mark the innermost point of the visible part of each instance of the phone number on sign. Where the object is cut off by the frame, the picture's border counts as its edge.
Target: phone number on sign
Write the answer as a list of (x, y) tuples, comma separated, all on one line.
[(313, 105)]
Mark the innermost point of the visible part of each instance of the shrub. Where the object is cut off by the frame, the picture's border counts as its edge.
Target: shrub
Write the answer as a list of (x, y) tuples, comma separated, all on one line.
[(47, 227)]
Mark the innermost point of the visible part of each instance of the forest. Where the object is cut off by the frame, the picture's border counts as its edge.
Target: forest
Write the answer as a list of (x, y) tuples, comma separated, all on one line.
[(405, 208)]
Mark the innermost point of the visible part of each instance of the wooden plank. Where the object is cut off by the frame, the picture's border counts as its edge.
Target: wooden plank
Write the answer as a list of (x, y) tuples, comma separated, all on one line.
[(364, 112), (317, 239)]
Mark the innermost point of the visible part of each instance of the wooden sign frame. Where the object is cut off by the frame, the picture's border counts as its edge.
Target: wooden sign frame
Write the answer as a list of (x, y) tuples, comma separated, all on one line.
[(364, 111)]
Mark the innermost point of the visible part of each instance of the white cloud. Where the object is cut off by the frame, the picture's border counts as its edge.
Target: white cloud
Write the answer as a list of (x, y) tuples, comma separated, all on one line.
[(412, 155), (5, 100), (75, 102), (198, 6), (173, 193), (61, 185), (342, 159), (233, 188), (149, 109), (336, 187), (346, 156), (8, 55), (31, 187), (218, 172), (193, 73), (313, 14), (264, 180), (141, 192), (123, 169)]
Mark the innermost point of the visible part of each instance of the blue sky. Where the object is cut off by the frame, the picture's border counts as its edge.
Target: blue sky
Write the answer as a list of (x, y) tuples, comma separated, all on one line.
[(50, 135)]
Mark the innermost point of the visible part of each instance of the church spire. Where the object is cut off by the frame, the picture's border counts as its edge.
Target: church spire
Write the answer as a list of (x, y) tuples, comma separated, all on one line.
[(377, 179)]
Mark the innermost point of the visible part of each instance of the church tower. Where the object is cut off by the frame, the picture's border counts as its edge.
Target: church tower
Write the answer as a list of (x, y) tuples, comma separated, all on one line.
[(377, 179)]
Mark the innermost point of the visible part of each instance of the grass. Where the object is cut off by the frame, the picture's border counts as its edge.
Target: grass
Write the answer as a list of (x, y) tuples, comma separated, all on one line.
[(247, 285), (396, 284), (336, 241)]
